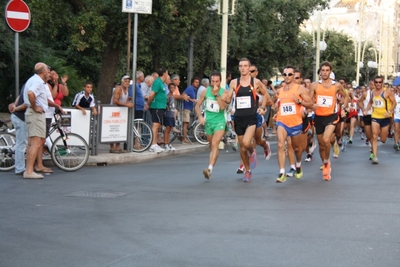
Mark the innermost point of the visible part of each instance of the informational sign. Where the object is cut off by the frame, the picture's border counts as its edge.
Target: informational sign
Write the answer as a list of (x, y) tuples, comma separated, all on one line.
[(138, 6), (18, 15), (114, 124), (75, 122)]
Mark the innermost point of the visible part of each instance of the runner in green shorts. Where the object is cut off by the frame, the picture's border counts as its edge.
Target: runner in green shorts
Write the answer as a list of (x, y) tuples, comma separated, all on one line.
[(213, 120)]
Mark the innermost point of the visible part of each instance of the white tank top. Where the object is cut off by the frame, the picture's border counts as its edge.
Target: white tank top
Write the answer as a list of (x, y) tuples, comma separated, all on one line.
[(397, 110), (366, 102), (123, 97)]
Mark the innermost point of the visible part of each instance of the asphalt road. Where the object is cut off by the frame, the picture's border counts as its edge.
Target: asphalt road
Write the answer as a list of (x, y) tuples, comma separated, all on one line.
[(164, 213)]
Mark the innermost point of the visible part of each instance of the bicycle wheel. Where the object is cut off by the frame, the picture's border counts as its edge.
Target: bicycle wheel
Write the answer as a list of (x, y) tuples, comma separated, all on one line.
[(200, 134), (72, 155), (142, 136), (7, 148)]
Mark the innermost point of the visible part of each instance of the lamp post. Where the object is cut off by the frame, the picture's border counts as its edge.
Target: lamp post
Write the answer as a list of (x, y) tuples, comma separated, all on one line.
[(360, 31), (371, 65), (224, 11)]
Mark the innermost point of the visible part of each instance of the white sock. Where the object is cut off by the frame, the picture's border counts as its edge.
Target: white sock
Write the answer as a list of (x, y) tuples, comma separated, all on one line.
[(282, 171), (210, 167), (298, 164), (292, 167)]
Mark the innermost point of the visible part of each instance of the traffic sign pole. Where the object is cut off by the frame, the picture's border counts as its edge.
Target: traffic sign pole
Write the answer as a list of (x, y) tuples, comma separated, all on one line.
[(18, 18)]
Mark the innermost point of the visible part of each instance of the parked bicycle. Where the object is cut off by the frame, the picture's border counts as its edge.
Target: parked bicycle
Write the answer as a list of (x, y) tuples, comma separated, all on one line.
[(195, 130), (142, 135), (69, 151), (7, 146)]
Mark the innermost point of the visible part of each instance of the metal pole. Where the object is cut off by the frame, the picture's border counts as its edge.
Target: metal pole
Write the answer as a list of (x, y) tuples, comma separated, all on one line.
[(318, 50), (128, 54), (360, 30), (132, 110), (224, 41), (16, 65)]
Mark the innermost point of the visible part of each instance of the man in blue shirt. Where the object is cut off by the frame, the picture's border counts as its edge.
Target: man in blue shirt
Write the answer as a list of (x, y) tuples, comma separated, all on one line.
[(188, 106), (139, 98)]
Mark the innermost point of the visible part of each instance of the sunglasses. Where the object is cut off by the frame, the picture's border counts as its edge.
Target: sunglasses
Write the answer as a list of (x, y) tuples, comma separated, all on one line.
[(378, 82), (252, 71), (288, 74)]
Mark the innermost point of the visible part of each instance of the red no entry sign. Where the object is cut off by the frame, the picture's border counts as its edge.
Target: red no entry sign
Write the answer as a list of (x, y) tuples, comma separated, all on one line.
[(18, 15)]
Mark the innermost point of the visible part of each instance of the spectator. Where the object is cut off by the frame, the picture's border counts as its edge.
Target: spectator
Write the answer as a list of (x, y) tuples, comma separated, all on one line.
[(205, 82), (85, 99), (35, 98), (169, 120), (146, 90), (21, 133), (139, 98), (188, 106), (158, 104), (58, 91), (121, 98)]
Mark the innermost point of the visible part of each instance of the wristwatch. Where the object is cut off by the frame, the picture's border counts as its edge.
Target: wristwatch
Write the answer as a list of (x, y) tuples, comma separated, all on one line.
[(299, 101)]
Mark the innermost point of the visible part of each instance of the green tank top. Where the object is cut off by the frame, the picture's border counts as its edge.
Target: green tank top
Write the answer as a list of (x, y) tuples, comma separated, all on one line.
[(213, 112)]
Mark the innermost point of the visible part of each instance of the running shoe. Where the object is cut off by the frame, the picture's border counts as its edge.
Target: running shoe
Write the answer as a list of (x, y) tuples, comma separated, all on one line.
[(375, 160), (247, 176), (207, 173), (267, 152), (166, 148), (336, 149), (291, 173), (235, 147), (299, 173), (253, 160), (308, 158), (171, 148), (241, 169), (326, 171), (350, 141), (156, 149), (371, 156), (281, 178), (396, 147), (313, 146), (362, 136), (321, 167), (367, 142), (344, 145)]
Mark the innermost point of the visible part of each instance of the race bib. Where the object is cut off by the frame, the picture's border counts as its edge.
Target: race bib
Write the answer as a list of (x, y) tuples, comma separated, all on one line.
[(378, 104), (212, 105), (288, 109), (325, 101), (243, 102), (353, 106)]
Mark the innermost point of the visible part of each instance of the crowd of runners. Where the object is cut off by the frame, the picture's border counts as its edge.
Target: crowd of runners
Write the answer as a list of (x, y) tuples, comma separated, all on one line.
[(327, 112)]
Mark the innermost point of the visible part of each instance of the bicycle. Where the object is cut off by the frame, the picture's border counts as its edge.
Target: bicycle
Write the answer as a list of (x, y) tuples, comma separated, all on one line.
[(7, 146), (69, 151), (142, 135), (195, 128)]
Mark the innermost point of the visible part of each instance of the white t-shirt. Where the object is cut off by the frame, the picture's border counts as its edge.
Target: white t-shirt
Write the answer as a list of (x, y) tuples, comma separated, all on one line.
[(39, 88)]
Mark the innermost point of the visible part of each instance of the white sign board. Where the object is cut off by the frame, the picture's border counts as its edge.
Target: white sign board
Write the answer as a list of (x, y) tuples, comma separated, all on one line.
[(137, 6), (114, 124), (79, 124)]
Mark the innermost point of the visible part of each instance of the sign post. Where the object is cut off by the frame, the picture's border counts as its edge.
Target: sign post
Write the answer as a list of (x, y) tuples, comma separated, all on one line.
[(18, 18), (143, 7)]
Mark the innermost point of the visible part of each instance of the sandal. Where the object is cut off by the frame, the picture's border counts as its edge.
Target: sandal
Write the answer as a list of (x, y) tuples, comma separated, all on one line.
[(44, 170)]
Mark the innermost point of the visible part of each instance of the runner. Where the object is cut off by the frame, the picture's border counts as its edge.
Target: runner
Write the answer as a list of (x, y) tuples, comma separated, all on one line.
[(246, 109), (324, 94), (363, 103), (396, 145), (289, 121), (214, 121), (383, 103)]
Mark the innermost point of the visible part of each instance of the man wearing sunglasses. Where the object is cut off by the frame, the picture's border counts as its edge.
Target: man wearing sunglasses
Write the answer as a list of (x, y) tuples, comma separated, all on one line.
[(383, 104), (245, 89), (325, 93), (292, 101)]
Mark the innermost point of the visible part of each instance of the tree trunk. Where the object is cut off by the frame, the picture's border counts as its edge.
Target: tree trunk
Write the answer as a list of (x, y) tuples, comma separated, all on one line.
[(107, 73)]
